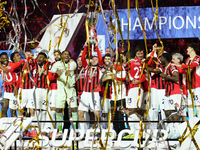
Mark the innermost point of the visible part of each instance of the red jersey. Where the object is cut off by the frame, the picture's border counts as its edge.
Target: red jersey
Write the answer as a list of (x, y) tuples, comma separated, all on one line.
[(92, 78), (182, 81), (10, 80), (52, 78), (171, 88), (135, 69), (41, 75), (156, 81), (195, 70), (80, 77), (93, 74), (23, 72)]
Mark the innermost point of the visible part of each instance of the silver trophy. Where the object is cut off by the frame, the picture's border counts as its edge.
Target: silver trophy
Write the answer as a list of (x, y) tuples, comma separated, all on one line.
[(92, 19), (92, 22)]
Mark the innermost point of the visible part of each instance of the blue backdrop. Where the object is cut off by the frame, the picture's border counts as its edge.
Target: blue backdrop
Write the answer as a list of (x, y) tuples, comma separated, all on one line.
[(173, 22)]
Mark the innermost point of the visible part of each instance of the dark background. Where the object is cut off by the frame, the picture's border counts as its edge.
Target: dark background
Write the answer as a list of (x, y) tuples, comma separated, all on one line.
[(36, 21)]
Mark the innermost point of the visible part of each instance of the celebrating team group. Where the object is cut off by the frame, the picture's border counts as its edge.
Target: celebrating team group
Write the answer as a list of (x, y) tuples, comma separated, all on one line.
[(91, 86)]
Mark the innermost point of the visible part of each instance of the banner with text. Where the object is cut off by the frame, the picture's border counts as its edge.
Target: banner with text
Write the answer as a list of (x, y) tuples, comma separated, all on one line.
[(173, 22)]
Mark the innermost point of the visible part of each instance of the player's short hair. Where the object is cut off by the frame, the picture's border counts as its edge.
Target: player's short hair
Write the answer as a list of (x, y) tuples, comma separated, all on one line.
[(42, 53), (167, 56), (66, 51), (106, 55), (28, 50), (119, 59), (132, 54), (55, 51), (139, 48), (178, 56), (194, 46), (13, 55), (159, 44), (3, 53)]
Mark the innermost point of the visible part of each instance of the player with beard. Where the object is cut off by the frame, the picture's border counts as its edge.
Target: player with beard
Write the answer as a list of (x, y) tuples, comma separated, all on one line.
[(10, 82), (172, 91), (106, 80), (157, 87), (41, 73), (92, 77), (52, 95), (66, 83)]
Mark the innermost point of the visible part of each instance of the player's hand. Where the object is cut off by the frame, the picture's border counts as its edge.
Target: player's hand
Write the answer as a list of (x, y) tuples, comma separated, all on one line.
[(29, 59), (15, 91), (134, 81), (57, 39), (5, 69), (59, 72), (111, 65), (154, 47), (71, 60), (114, 76), (96, 43), (163, 75), (103, 70), (86, 43), (67, 73)]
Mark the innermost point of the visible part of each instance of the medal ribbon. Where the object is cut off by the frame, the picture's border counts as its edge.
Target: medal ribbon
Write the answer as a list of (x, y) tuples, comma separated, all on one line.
[(167, 68), (40, 70), (80, 74), (92, 74)]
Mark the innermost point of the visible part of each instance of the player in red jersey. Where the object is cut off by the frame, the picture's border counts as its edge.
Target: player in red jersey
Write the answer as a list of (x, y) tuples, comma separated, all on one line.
[(41, 73), (92, 77), (157, 87), (134, 68), (25, 84), (172, 91), (193, 62), (106, 81), (80, 77), (177, 59), (9, 83)]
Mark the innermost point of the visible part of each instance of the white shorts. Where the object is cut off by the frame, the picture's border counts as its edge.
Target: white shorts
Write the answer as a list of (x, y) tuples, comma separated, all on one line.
[(86, 97), (183, 112), (157, 98), (196, 97), (106, 106), (40, 95), (26, 98), (52, 98), (131, 101), (12, 100), (144, 101), (171, 100)]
